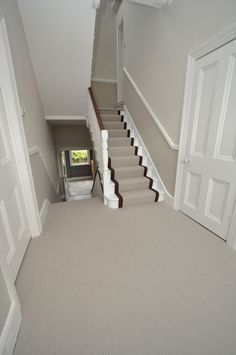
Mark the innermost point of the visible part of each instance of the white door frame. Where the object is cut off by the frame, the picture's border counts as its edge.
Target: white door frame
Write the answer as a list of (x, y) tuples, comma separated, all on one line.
[(219, 40), (19, 144), (120, 73), (8, 336)]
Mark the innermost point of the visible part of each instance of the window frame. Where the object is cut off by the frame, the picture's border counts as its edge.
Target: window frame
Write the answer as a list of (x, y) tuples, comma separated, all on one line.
[(79, 164)]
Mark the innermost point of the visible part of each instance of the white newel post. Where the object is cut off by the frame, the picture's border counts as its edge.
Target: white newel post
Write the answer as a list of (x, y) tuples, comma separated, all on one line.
[(100, 144), (105, 170)]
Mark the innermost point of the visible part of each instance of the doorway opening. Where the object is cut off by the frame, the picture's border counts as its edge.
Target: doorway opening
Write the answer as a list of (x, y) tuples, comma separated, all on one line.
[(77, 169), (205, 180)]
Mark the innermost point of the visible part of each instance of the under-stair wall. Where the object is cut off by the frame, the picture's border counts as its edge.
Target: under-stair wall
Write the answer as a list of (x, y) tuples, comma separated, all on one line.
[(163, 157)]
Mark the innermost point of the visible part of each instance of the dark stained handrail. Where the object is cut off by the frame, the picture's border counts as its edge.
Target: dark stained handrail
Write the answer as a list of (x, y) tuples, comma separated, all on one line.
[(96, 108)]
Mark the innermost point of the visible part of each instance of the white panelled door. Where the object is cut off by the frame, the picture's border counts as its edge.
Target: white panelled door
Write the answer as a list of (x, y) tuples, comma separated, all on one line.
[(208, 188), (14, 230)]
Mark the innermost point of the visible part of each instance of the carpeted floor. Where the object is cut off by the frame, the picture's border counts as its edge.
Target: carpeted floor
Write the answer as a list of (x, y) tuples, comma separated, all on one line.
[(141, 280)]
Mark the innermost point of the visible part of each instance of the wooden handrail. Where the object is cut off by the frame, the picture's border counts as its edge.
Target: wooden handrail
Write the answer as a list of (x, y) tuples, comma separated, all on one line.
[(96, 108)]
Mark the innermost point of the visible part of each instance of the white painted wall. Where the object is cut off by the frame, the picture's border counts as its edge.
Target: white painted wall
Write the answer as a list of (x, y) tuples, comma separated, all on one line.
[(60, 40)]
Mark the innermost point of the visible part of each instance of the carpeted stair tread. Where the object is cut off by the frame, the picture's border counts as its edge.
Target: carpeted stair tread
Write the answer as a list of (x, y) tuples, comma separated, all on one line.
[(128, 171), (137, 197), (133, 183), (134, 187), (131, 160), (121, 151), (117, 133), (113, 125), (120, 141)]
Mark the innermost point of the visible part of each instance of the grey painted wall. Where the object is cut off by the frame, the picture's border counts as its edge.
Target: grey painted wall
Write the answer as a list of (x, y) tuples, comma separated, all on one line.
[(104, 50), (163, 157), (155, 55), (42, 185), (104, 55), (5, 302), (38, 132), (105, 94), (71, 136)]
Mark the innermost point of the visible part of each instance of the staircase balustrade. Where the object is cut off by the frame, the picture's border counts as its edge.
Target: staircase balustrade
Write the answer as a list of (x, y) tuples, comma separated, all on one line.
[(99, 137)]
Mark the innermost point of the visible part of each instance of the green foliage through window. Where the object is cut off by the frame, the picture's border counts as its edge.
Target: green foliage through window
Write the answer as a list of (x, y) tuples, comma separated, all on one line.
[(79, 157)]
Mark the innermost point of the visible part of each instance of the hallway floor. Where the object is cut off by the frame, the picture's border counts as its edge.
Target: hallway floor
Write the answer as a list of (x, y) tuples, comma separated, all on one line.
[(78, 189), (140, 280)]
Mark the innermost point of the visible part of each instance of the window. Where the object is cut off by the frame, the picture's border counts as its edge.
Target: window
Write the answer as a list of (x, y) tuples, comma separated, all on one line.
[(79, 157)]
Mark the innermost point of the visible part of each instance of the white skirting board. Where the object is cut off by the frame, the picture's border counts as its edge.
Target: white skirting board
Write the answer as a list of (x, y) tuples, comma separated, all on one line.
[(44, 211), (10, 331), (147, 160)]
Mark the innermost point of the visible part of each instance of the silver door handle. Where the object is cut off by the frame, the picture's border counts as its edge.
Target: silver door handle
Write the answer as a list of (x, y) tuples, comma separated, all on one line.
[(186, 160)]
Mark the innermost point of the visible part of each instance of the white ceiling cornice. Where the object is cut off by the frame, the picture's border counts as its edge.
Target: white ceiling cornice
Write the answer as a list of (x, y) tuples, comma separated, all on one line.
[(152, 3)]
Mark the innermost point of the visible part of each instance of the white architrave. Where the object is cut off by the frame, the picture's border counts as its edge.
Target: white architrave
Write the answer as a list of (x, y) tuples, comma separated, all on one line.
[(11, 327)]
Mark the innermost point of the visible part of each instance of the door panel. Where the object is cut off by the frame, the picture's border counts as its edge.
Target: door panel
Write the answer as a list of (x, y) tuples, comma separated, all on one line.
[(202, 116), (192, 189), (5, 230), (217, 196), (208, 189), (226, 141), (14, 230)]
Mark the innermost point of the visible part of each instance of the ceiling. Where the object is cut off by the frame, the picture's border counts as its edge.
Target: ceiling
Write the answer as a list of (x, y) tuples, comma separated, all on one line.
[(60, 37)]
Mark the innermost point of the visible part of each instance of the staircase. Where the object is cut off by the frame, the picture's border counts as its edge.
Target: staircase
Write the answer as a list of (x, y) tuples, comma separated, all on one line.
[(129, 175)]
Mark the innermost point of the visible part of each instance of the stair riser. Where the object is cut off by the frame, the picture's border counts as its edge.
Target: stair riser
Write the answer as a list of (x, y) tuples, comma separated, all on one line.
[(131, 161), (114, 125), (117, 133), (121, 151), (119, 142), (134, 186), (109, 112)]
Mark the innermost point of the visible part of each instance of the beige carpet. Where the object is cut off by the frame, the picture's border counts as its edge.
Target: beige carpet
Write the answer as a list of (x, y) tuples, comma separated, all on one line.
[(141, 280)]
